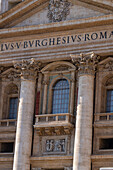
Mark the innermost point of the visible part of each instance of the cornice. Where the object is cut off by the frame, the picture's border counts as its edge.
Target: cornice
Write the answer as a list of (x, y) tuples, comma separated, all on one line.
[(56, 27), (106, 4), (18, 11)]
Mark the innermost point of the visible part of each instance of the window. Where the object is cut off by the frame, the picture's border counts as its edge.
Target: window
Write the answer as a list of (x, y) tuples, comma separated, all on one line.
[(13, 106), (109, 106), (106, 143), (60, 98), (7, 147)]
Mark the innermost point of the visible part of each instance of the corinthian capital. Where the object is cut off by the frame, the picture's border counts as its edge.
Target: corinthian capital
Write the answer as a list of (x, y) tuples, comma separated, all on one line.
[(85, 63), (28, 68)]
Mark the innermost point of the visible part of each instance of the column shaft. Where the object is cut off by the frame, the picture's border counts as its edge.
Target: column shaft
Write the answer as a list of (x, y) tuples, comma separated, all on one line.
[(24, 126), (83, 135)]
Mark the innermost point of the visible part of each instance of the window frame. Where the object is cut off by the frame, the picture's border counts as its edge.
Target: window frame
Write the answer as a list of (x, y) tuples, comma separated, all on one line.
[(108, 89), (51, 92), (9, 97), (53, 95)]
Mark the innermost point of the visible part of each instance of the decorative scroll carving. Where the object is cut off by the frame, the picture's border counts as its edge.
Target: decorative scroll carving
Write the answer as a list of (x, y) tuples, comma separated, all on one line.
[(28, 68), (55, 145), (85, 63), (58, 10)]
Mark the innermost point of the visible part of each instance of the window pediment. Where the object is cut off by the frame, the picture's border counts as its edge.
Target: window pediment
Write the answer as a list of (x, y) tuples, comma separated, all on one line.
[(58, 66)]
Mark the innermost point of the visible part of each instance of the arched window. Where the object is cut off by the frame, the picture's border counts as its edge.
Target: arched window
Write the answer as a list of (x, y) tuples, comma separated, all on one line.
[(60, 98)]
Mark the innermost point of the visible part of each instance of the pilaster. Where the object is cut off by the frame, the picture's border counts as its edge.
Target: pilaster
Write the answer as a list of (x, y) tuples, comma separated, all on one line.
[(45, 82)]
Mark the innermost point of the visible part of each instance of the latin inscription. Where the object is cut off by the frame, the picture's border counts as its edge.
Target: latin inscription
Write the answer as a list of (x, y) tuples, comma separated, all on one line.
[(56, 41)]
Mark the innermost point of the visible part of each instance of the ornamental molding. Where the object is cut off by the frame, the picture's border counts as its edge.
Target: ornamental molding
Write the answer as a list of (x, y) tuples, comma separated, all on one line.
[(53, 131), (28, 68), (58, 10), (106, 64), (10, 74), (85, 63)]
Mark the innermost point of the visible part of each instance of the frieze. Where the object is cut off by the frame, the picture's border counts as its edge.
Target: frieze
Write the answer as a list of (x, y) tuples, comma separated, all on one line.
[(56, 41)]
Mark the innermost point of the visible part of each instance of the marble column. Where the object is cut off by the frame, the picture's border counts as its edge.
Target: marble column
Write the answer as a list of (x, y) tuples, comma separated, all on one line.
[(83, 132), (25, 115)]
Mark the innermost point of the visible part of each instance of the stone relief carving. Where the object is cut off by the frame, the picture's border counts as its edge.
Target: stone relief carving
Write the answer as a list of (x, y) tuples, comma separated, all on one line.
[(49, 145), (55, 145), (58, 10), (85, 63)]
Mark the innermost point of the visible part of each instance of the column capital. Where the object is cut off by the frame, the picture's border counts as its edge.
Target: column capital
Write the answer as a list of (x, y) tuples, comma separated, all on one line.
[(85, 63), (28, 68)]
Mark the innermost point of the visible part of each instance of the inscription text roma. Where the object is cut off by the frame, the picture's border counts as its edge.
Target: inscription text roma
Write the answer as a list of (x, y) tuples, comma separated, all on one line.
[(55, 41)]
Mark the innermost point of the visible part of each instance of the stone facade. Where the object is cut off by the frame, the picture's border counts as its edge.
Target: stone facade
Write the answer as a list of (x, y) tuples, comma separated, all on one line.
[(56, 85)]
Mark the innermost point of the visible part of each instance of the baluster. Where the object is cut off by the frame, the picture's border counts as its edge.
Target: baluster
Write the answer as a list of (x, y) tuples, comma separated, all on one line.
[(57, 118), (7, 123), (47, 118), (108, 116), (37, 119), (97, 117), (67, 118)]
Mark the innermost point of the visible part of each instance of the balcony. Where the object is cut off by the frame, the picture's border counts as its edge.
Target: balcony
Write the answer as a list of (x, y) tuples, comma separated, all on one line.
[(8, 125), (104, 119), (49, 124)]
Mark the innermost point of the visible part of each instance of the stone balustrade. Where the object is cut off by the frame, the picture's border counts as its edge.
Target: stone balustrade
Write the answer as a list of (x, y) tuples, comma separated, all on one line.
[(8, 122), (64, 117), (103, 117), (50, 124)]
